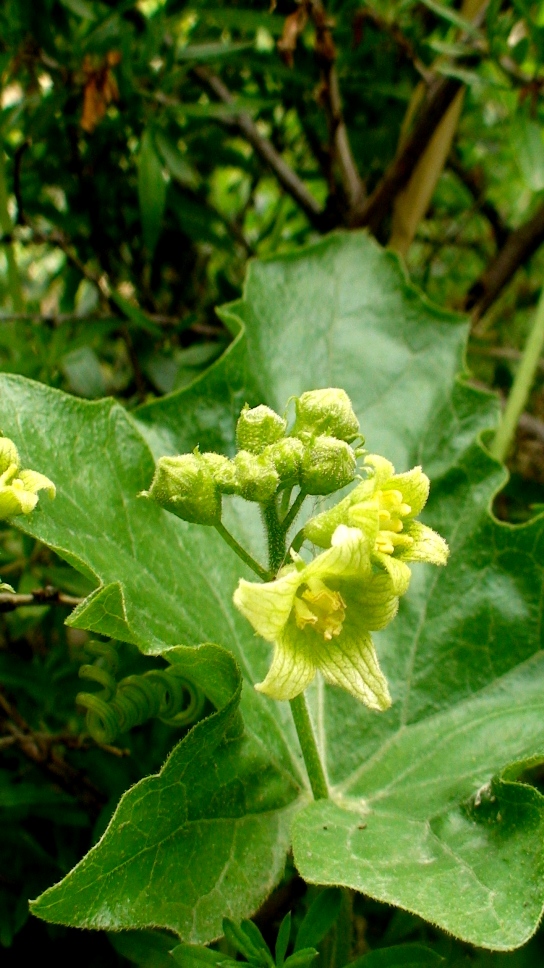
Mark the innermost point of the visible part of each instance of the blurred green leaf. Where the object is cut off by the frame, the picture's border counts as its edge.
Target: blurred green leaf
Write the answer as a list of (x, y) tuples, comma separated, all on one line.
[(149, 949), (529, 152), (82, 370), (401, 956), (319, 919), (81, 8), (151, 191), (177, 165)]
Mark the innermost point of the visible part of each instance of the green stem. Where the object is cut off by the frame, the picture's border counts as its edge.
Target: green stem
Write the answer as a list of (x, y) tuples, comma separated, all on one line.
[(6, 226), (308, 745), (521, 387), (275, 534), (293, 511), (263, 574)]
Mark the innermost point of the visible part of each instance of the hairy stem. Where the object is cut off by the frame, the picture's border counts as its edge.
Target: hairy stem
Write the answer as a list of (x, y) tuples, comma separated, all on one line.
[(293, 511), (521, 387), (308, 745), (263, 574), (276, 535)]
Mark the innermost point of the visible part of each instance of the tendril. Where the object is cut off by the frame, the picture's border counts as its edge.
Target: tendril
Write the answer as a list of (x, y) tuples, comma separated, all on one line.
[(132, 701)]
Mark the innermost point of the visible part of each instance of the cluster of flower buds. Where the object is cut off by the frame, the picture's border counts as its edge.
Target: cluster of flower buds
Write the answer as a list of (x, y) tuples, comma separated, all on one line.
[(317, 455)]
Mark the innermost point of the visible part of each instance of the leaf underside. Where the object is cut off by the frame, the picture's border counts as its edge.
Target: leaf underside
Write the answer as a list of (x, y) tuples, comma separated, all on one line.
[(423, 813)]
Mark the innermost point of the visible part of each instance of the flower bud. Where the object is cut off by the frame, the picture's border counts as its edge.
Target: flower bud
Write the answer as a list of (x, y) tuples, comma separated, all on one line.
[(328, 464), (257, 476), (286, 455), (325, 412), (185, 486), (257, 428), (223, 472)]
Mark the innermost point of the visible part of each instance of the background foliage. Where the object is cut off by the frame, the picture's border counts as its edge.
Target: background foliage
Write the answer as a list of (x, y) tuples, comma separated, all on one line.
[(148, 149)]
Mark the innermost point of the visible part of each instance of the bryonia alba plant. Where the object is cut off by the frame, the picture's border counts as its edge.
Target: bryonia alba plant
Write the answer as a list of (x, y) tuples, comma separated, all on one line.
[(427, 803), (317, 614)]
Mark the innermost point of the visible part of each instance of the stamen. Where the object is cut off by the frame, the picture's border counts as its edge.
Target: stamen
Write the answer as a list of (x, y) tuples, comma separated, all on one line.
[(321, 608)]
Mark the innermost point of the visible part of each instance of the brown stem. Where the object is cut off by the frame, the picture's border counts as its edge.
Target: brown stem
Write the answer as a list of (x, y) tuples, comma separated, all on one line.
[(440, 95), (520, 245), (472, 182), (42, 596), (264, 148), (331, 100)]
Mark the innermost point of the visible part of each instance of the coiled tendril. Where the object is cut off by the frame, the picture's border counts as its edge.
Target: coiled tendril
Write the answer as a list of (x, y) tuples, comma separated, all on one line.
[(135, 699)]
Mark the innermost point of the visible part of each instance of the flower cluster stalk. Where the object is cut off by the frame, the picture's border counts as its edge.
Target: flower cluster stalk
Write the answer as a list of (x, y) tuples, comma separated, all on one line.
[(308, 745), (521, 386), (261, 572)]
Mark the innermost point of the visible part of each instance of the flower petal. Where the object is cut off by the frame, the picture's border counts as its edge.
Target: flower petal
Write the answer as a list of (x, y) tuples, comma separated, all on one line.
[(34, 481), (349, 555), (383, 469), (371, 604), (414, 486), (293, 666), (428, 545), (319, 530), (16, 500), (268, 606), (351, 663), (8, 454), (365, 516), (398, 571)]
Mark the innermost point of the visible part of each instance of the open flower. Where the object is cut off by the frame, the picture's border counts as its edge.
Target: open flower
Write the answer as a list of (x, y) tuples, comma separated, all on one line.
[(385, 507), (319, 616), (18, 488)]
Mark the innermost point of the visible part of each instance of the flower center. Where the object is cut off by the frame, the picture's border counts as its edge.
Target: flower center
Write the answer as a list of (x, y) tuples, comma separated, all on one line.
[(391, 511), (321, 608)]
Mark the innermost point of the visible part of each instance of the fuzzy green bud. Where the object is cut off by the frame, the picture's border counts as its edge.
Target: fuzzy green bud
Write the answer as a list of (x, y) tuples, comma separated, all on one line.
[(185, 486), (257, 476), (258, 427), (328, 464), (286, 455), (223, 472), (325, 412)]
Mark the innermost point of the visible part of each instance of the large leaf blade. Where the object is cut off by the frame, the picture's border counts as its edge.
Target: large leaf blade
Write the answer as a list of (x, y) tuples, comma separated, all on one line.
[(465, 636)]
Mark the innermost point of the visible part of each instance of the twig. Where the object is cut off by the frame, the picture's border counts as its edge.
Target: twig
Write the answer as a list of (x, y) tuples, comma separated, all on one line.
[(520, 245), (501, 353), (330, 99), (471, 181), (42, 596), (42, 750), (264, 148), (440, 95), (58, 319)]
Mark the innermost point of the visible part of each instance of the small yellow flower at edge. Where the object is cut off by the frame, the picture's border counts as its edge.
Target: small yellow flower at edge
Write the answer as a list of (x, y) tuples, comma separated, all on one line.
[(384, 507), (19, 488), (319, 616)]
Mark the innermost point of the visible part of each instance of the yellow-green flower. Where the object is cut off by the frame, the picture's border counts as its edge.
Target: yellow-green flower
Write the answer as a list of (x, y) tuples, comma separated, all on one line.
[(385, 507), (319, 616), (18, 488)]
